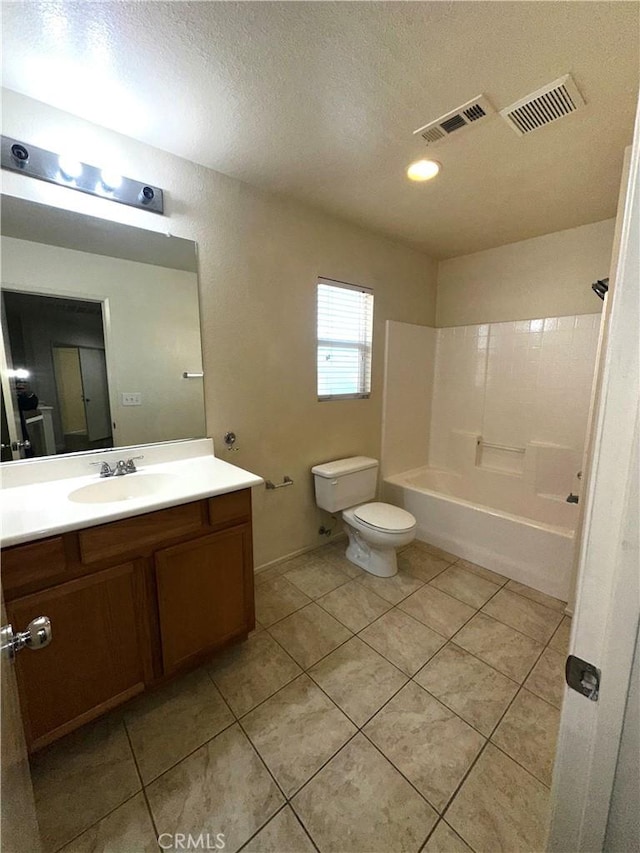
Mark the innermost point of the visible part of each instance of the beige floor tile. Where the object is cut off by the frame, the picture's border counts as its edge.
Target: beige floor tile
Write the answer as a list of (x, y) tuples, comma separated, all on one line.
[(269, 573), (354, 605), (81, 778), (359, 803), (547, 678), (560, 640), (528, 733), (167, 724), (316, 578), (358, 679), (336, 555), (444, 840), (500, 807), (524, 615), (474, 690), (125, 830), (276, 599), (428, 743), (250, 672), (439, 611), (310, 634), (223, 787), (536, 595), (499, 645), (437, 552), (392, 589), (421, 563), (487, 574), (402, 640), (297, 731), (465, 586), (283, 834)]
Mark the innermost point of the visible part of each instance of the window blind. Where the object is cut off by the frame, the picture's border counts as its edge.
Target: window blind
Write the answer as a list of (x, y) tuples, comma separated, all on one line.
[(345, 330)]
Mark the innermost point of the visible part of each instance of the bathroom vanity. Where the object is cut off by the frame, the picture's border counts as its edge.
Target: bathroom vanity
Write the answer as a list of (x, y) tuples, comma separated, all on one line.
[(132, 601)]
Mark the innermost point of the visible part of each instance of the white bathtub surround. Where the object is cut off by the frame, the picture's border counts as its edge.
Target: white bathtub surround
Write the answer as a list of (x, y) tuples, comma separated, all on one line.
[(509, 408), (494, 520), (513, 384), (35, 501), (408, 386)]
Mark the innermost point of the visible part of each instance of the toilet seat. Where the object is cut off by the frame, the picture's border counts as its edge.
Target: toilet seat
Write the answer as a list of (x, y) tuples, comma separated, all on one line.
[(384, 517)]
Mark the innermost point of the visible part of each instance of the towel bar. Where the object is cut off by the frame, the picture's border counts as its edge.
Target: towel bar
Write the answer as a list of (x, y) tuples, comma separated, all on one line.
[(287, 481)]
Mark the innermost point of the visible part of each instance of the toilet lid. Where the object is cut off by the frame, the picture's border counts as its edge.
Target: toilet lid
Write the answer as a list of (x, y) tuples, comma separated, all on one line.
[(385, 516)]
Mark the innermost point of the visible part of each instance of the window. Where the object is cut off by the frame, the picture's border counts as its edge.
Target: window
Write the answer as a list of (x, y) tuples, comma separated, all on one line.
[(345, 325)]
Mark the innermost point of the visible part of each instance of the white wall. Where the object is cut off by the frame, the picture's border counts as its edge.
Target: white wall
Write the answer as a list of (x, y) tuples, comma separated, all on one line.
[(547, 276), (408, 385), (151, 332), (513, 384), (259, 257)]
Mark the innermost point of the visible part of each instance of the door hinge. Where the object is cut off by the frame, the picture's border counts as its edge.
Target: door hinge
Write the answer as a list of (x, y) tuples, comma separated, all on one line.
[(583, 677)]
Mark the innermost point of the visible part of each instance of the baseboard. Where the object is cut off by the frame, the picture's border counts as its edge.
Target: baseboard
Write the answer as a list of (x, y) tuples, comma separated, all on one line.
[(339, 537)]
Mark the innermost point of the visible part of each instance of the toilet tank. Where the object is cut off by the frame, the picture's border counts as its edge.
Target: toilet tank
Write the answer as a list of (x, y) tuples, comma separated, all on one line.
[(345, 482)]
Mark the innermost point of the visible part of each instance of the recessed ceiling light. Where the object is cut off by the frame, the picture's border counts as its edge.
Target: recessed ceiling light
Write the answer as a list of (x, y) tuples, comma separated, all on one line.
[(423, 170)]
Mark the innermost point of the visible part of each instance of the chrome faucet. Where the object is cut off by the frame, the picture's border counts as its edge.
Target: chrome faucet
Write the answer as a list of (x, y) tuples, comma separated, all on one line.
[(119, 469)]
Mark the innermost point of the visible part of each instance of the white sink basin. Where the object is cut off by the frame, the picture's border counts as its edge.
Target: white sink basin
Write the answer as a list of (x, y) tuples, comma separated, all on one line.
[(126, 488)]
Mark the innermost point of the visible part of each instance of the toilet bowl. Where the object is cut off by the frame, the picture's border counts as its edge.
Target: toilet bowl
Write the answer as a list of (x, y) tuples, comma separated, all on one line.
[(375, 530)]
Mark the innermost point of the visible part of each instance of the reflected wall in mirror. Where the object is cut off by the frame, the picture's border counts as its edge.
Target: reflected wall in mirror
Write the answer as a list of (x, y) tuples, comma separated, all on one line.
[(100, 322)]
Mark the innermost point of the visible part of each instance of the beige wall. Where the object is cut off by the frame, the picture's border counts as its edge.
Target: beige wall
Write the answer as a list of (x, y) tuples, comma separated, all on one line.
[(408, 386), (151, 332), (259, 258), (546, 276)]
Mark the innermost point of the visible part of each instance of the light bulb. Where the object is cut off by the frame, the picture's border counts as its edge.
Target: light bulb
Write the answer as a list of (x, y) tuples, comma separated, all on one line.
[(110, 180), (69, 167), (423, 170)]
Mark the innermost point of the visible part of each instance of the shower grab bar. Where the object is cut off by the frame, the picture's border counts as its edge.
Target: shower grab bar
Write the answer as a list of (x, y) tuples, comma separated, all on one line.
[(482, 443), (287, 481)]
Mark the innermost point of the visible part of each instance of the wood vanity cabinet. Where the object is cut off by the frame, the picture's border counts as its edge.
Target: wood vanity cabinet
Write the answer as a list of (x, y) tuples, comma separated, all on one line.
[(131, 604)]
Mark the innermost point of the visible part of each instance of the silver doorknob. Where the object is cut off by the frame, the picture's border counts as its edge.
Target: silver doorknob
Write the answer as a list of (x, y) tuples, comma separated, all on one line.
[(37, 636)]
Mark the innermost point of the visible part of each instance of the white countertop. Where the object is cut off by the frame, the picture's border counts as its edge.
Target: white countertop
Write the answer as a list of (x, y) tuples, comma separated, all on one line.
[(43, 509)]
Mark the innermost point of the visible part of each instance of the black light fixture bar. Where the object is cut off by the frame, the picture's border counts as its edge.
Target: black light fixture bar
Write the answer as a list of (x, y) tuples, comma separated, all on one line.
[(57, 169)]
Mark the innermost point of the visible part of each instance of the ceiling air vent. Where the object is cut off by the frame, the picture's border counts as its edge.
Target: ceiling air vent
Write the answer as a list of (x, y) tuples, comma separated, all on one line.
[(455, 121), (549, 103)]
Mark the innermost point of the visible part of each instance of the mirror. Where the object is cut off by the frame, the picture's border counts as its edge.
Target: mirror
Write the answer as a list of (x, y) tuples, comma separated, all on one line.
[(100, 334)]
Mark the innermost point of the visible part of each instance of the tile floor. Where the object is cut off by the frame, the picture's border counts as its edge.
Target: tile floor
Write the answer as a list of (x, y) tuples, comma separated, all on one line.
[(414, 713)]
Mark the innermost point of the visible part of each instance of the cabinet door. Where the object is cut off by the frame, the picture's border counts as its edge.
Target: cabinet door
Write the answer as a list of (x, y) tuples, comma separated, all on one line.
[(94, 661), (205, 594)]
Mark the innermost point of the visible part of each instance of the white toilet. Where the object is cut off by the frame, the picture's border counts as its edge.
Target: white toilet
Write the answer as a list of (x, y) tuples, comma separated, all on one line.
[(375, 530)]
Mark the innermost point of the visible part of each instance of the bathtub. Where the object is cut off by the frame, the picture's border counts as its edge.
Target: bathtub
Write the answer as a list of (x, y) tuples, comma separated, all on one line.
[(492, 519)]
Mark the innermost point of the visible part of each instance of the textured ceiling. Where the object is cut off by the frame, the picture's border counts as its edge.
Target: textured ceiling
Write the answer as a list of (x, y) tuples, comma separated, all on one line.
[(318, 101)]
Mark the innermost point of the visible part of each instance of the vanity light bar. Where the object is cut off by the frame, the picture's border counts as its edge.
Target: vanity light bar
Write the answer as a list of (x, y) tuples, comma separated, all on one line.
[(57, 169)]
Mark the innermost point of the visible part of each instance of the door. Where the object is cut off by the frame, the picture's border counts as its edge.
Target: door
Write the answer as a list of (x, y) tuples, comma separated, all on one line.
[(205, 594), (608, 595), (93, 368), (18, 824), (95, 660), (83, 391)]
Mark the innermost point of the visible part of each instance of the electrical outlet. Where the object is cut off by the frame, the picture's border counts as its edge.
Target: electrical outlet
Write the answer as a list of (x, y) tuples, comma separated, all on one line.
[(131, 398)]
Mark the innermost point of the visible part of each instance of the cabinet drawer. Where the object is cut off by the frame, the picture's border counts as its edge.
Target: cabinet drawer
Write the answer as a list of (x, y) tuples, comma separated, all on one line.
[(235, 506), (137, 533), (23, 565)]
